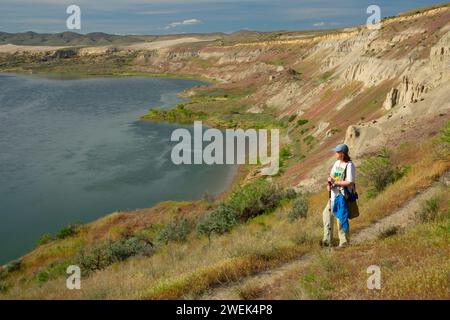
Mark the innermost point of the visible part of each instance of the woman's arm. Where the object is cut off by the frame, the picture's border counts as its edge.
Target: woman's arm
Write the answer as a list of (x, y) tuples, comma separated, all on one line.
[(339, 183), (343, 183)]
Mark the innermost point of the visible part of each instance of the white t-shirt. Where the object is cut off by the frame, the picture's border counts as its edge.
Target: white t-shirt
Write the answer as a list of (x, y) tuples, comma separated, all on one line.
[(337, 172)]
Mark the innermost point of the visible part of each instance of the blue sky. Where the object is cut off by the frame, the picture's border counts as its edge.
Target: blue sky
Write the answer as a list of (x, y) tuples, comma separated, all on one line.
[(184, 16)]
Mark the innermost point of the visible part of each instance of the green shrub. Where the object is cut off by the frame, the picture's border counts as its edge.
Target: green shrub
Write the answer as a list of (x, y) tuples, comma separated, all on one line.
[(254, 198), (109, 252), (445, 133), (42, 277), (13, 266), (292, 117), (179, 114), (308, 139), (245, 202), (325, 76), (174, 231), (3, 286), (68, 231), (126, 248), (429, 210), (304, 130), (219, 221), (285, 153), (302, 122), (299, 208), (379, 172), (53, 271), (443, 142), (290, 194), (44, 239)]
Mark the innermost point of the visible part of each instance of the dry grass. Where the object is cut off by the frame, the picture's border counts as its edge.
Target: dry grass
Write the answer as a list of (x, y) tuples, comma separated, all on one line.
[(195, 266), (223, 272), (413, 266), (425, 169), (250, 291)]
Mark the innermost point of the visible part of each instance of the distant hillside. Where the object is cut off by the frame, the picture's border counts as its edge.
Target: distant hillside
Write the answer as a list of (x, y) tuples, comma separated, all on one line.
[(67, 38), (31, 38)]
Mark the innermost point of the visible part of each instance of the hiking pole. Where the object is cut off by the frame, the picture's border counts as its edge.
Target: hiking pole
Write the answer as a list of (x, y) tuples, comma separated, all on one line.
[(329, 213)]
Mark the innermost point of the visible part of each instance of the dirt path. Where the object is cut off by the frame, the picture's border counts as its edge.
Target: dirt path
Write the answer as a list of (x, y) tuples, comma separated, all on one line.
[(402, 218)]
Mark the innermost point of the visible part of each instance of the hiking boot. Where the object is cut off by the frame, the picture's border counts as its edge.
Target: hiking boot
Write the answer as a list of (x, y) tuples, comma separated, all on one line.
[(324, 243), (343, 245)]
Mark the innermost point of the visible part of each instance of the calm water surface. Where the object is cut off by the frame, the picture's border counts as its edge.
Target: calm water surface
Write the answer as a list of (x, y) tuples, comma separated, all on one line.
[(73, 150)]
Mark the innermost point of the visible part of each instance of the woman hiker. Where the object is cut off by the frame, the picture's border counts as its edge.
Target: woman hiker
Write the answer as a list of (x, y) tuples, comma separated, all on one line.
[(337, 180)]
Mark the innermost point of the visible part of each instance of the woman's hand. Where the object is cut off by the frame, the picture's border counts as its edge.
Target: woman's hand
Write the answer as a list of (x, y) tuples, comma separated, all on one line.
[(330, 183)]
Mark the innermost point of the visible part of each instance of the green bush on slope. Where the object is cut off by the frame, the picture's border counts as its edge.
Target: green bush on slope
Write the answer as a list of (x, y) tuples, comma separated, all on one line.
[(53, 271), (68, 231), (179, 114), (379, 172), (299, 208), (254, 199), (109, 252), (219, 221), (44, 239), (174, 231), (245, 202), (443, 142)]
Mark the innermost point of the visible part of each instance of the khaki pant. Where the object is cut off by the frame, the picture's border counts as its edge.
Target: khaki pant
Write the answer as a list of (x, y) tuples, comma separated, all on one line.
[(328, 221)]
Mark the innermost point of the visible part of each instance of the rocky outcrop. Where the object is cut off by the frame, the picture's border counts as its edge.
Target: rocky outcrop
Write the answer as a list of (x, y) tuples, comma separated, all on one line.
[(391, 99), (360, 137), (372, 71), (441, 51), (408, 92), (321, 128)]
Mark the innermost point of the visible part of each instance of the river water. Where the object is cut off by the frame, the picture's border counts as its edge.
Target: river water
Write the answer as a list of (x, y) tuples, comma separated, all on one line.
[(73, 150)]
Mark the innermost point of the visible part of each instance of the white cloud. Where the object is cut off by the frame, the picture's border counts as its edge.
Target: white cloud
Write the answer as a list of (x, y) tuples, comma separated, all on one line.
[(188, 22), (319, 24)]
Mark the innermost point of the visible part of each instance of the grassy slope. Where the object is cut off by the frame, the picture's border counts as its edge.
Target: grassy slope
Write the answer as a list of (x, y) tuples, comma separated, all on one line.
[(196, 265), (413, 266)]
